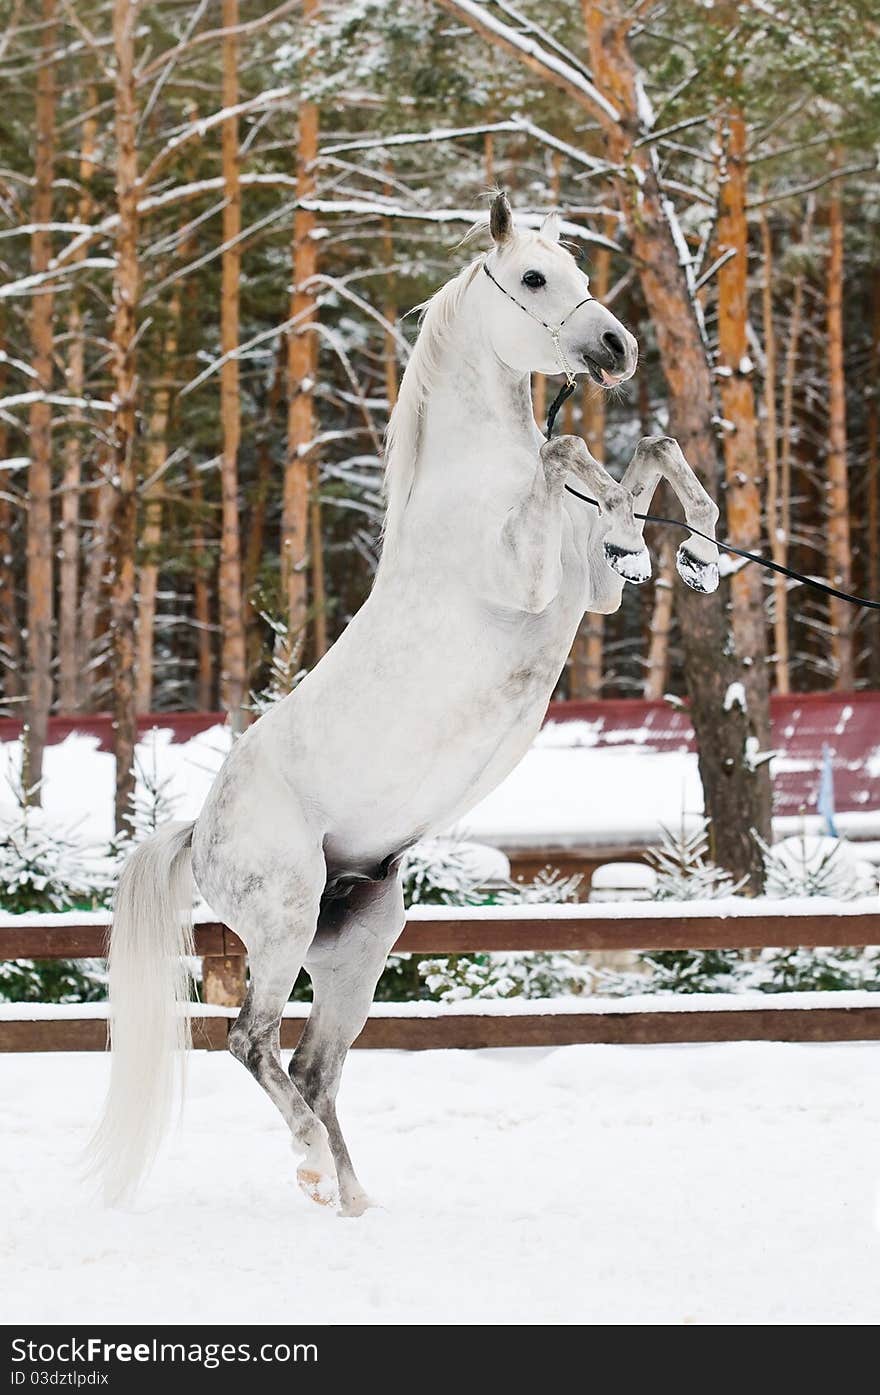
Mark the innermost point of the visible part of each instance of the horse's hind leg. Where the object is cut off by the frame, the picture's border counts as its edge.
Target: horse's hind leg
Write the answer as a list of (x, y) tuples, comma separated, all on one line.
[(254, 1040), (344, 962), (277, 922)]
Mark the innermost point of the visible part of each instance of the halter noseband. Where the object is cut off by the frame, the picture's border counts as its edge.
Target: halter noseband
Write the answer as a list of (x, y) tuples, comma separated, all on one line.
[(554, 331)]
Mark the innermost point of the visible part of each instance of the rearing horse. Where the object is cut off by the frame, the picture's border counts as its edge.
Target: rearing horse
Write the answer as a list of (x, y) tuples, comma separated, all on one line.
[(427, 701)]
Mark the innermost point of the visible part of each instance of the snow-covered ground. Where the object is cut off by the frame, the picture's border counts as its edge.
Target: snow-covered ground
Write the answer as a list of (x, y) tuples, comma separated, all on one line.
[(689, 1184)]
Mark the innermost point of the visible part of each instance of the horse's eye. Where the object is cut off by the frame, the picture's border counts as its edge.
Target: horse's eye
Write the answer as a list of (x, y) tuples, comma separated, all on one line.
[(534, 280)]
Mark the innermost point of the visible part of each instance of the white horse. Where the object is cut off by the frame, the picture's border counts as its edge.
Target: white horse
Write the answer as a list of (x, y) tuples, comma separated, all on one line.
[(426, 702)]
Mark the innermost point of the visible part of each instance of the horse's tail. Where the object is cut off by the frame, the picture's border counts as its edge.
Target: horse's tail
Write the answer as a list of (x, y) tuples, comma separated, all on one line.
[(149, 986)]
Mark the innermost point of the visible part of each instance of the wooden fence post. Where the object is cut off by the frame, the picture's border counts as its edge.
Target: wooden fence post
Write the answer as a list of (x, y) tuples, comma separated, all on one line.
[(224, 979)]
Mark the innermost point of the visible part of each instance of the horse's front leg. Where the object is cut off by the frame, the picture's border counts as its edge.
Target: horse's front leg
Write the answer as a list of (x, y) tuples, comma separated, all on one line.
[(661, 457), (524, 571), (622, 541)]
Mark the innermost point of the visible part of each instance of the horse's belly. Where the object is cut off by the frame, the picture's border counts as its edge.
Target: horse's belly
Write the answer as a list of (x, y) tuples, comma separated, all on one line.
[(404, 792), (406, 749)]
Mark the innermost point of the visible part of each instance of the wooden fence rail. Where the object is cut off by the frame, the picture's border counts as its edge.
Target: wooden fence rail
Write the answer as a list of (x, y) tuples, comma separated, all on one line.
[(446, 930)]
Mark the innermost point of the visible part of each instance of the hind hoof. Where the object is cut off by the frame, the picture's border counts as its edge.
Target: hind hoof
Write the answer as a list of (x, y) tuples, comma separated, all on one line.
[(356, 1204), (698, 575), (317, 1186), (633, 566)]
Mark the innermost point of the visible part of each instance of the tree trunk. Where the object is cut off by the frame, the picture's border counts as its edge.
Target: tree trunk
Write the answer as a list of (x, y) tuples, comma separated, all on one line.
[(39, 510), (774, 522), (788, 385), (316, 550), (301, 425), (125, 297), (151, 532), (587, 669), (873, 466), (69, 657), (202, 598), (657, 674), (68, 560), (256, 530), (736, 790), (839, 556), (94, 579), (740, 435), (233, 675), (10, 629)]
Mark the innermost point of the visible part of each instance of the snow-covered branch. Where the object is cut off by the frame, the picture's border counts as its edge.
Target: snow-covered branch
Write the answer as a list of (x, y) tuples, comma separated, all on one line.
[(197, 129), (26, 285), (539, 59), (57, 399)]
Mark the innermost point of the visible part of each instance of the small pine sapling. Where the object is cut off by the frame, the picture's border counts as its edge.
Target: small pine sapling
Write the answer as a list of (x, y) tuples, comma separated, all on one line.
[(44, 868), (685, 872), (808, 866)]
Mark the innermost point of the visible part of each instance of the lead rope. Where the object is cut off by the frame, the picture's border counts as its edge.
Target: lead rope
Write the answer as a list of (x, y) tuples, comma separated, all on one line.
[(826, 590)]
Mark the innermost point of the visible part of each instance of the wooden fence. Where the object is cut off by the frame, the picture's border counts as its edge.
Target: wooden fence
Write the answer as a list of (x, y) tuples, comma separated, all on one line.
[(442, 931)]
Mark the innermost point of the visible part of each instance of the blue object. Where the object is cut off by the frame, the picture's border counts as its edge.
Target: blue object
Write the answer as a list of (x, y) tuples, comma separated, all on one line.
[(825, 801)]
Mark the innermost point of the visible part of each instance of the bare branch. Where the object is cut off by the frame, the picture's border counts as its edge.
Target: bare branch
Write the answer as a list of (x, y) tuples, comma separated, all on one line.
[(209, 36)]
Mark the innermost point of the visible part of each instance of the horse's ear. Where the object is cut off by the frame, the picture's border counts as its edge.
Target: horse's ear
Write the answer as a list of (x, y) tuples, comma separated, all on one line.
[(550, 228), (500, 218)]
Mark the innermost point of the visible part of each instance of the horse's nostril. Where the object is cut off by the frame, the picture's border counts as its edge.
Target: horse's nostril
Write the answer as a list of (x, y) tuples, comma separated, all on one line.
[(614, 344)]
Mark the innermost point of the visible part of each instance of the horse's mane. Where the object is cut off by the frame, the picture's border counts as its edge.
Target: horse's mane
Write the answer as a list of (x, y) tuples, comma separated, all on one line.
[(402, 439)]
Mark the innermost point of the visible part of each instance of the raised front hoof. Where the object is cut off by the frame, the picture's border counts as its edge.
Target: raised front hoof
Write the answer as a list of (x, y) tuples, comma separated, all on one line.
[(698, 575), (633, 566), (318, 1186)]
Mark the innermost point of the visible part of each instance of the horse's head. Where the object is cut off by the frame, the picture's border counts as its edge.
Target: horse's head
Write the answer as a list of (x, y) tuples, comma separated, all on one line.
[(564, 328)]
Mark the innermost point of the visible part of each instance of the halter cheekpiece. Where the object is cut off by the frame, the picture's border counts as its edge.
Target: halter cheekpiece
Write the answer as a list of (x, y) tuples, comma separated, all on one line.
[(554, 331)]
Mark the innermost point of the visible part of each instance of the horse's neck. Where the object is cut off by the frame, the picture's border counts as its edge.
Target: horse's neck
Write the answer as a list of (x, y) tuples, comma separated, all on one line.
[(478, 420), (477, 454)]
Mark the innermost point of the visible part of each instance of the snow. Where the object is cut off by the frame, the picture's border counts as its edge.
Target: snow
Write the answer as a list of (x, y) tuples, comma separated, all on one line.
[(727, 1184), (721, 908), (735, 697), (76, 765), (572, 796), (571, 1005), (620, 876)]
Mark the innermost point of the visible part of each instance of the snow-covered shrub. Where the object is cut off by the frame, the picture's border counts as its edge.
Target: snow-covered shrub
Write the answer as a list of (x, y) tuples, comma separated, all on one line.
[(45, 867), (439, 873), (535, 975), (154, 805), (677, 971), (453, 873), (807, 866), (284, 667), (548, 888), (816, 866), (812, 970), (52, 981), (685, 871), (450, 872)]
